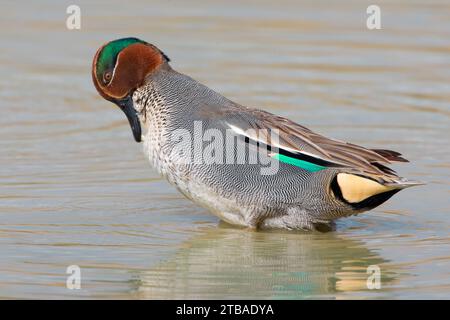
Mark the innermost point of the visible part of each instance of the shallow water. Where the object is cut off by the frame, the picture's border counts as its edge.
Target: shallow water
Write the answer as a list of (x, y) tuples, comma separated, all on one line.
[(76, 190)]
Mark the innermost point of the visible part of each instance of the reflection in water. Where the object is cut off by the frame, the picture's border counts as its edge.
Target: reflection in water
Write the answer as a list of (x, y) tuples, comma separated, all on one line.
[(234, 263)]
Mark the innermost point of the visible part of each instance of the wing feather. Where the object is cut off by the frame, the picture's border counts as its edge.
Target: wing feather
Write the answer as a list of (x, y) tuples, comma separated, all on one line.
[(297, 138)]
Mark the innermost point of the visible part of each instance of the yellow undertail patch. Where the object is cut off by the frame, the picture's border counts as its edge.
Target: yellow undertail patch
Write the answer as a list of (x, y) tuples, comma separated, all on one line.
[(355, 189)]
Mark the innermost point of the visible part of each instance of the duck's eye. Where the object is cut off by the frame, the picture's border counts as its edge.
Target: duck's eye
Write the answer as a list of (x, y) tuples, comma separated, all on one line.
[(107, 77)]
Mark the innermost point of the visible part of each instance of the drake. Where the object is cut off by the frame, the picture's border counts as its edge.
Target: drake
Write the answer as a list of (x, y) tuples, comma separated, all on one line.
[(313, 180)]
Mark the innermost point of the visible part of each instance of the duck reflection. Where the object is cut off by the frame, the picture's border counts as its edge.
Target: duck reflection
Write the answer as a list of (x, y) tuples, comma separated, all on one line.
[(226, 263)]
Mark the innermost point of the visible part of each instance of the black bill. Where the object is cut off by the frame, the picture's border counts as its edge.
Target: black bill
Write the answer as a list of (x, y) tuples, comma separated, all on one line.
[(127, 107)]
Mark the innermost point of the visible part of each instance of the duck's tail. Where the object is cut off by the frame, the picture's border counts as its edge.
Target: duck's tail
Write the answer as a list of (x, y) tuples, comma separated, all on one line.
[(363, 192)]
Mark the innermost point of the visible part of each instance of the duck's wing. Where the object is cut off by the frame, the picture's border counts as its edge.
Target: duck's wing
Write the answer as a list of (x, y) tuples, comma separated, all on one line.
[(298, 140)]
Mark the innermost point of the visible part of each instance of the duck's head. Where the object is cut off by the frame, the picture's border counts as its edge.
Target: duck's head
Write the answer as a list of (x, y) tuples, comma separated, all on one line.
[(120, 67)]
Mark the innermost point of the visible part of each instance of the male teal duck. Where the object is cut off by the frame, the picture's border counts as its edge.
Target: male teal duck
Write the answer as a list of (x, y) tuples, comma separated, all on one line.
[(247, 166)]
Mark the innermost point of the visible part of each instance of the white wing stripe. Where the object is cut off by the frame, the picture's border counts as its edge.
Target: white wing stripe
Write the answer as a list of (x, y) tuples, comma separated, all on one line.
[(277, 145)]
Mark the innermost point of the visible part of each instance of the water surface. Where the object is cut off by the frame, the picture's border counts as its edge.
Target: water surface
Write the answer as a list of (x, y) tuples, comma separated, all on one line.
[(75, 188)]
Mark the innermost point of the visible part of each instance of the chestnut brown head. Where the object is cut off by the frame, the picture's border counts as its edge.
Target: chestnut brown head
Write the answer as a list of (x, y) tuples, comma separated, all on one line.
[(120, 67)]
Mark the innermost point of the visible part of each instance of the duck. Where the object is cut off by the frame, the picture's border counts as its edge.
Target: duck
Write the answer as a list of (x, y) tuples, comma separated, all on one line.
[(249, 167)]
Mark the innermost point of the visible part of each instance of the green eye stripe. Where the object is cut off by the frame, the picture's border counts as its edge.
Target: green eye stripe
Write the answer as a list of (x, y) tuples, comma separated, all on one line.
[(107, 57)]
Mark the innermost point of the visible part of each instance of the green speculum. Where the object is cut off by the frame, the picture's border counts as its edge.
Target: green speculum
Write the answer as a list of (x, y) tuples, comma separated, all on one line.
[(311, 167)]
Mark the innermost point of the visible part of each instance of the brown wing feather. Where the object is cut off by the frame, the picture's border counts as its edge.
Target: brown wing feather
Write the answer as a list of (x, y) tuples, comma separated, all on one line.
[(390, 155), (352, 156)]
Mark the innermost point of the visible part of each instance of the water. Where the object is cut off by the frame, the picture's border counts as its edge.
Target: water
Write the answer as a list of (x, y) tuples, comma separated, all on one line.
[(76, 190)]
